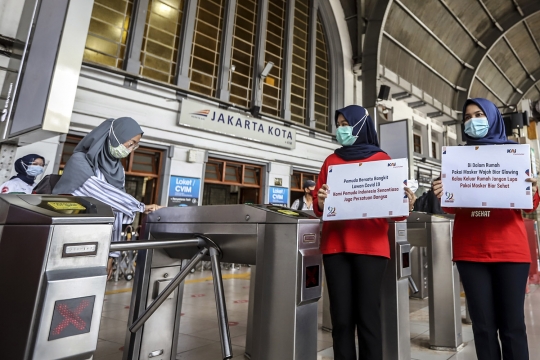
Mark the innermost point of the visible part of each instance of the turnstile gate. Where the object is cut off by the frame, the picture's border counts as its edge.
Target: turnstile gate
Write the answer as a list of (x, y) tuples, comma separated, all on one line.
[(53, 256), (285, 284), (434, 234)]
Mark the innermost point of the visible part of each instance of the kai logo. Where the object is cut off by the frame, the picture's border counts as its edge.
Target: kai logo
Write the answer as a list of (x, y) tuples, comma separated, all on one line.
[(359, 164), (449, 197), (330, 169), (527, 172), (203, 113), (392, 164), (331, 211), (476, 147), (511, 151)]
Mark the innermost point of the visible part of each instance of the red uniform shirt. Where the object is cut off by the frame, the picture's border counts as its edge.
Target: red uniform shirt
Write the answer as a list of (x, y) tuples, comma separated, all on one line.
[(367, 237), (490, 235)]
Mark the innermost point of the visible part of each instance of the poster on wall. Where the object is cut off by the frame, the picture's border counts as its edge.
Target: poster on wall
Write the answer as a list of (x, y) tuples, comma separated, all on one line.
[(278, 196), (183, 191)]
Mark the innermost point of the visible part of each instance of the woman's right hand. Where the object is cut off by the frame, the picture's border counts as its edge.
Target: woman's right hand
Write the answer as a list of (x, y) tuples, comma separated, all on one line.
[(151, 208), (437, 188), (322, 194)]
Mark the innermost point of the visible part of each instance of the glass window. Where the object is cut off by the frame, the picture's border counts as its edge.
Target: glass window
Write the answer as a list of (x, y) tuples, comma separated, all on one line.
[(275, 37), (107, 34), (161, 40), (300, 61), (243, 50), (417, 143), (322, 80), (252, 175), (205, 52), (233, 173), (434, 149), (213, 170)]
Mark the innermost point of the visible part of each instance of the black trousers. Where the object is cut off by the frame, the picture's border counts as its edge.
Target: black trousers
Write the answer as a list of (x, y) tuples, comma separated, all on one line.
[(496, 296), (354, 287)]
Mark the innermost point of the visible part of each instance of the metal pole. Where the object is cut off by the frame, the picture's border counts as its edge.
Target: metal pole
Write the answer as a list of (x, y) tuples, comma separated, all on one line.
[(137, 324), (412, 285), (153, 244), (221, 307)]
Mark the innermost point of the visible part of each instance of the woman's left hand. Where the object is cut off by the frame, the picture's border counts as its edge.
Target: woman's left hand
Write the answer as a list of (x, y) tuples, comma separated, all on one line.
[(412, 198), (151, 208), (534, 182)]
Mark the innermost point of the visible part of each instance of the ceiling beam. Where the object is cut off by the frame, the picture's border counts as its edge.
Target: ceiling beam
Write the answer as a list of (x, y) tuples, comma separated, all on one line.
[(532, 36), (491, 38), (462, 24), (527, 85), (432, 34), (488, 13), (491, 91), (503, 73), (420, 60), (517, 57)]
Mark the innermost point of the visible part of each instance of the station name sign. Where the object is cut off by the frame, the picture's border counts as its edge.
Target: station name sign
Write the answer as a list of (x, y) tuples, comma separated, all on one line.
[(206, 117)]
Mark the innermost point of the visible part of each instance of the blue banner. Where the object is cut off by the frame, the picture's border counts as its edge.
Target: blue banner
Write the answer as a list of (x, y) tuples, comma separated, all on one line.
[(184, 191), (278, 195)]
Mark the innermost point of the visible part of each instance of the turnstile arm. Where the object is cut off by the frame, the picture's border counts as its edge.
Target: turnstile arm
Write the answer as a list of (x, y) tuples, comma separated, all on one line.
[(226, 348), (412, 285), (137, 324), (153, 244)]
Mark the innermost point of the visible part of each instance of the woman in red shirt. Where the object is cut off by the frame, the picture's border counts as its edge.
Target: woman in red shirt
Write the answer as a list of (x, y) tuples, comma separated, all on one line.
[(355, 252), (491, 250)]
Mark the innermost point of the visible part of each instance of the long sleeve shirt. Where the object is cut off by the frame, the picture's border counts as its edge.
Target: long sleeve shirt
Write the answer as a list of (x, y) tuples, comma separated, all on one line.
[(490, 235), (124, 206), (364, 236)]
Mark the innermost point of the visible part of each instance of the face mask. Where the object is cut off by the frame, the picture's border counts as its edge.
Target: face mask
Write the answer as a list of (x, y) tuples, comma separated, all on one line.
[(119, 151), (477, 127), (33, 170), (344, 134)]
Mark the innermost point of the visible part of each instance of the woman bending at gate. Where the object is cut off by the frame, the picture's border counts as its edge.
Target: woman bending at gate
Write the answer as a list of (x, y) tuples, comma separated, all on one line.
[(355, 252), (95, 170), (492, 252)]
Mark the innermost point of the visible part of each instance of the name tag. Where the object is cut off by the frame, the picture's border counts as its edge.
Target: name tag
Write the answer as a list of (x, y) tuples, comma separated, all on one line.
[(80, 249)]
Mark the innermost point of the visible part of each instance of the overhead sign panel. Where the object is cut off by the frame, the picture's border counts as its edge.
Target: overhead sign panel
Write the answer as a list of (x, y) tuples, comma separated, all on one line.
[(206, 117)]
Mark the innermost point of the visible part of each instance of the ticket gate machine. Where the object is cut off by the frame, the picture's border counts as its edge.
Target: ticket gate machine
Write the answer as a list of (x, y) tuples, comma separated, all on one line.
[(53, 256), (286, 285), (434, 234)]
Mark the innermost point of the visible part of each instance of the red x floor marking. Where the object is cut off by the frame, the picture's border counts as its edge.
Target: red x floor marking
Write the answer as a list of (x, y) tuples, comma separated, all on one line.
[(71, 317)]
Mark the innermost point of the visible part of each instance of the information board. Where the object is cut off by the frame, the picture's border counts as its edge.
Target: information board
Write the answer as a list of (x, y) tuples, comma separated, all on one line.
[(373, 189), (184, 191), (489, 176)]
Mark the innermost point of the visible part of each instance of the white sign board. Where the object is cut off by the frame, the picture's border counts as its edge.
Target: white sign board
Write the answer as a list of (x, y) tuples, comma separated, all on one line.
[(210, 118), (490, 176), (373, 189)]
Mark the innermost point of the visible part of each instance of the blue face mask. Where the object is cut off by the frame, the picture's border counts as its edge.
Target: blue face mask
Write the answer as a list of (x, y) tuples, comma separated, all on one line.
[(477, 127), (33, 170), (344, 134)]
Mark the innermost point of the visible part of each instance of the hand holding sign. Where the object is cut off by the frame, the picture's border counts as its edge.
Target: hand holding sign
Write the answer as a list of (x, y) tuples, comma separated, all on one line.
[(372, 189), (490, 176)]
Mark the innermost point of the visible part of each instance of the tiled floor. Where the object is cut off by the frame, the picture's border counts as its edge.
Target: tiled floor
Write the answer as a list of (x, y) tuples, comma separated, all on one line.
[(199, 337)]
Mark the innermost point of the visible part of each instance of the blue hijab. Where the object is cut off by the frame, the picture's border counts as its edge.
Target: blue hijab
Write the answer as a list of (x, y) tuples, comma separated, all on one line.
[(367, 143), (496, 132), (21, 169)]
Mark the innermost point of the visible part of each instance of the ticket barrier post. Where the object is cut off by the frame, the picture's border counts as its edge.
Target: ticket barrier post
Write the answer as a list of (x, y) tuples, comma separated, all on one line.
[(419, 271), (395, 298), (285, 283), (51, 309), (434, 233)]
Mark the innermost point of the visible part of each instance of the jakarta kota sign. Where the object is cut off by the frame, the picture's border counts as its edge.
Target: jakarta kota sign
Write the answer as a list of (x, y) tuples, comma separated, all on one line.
[(206, 117)]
